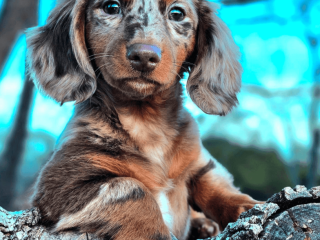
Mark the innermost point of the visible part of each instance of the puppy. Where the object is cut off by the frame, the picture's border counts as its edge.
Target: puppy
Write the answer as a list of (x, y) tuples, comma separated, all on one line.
[(130, 164)]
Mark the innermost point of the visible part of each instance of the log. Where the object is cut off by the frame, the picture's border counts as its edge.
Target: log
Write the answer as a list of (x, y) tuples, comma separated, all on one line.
[(291, 214), (25, 225)]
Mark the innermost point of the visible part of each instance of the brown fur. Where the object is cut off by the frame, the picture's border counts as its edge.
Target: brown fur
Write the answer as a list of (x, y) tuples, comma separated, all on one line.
[(130, 163)]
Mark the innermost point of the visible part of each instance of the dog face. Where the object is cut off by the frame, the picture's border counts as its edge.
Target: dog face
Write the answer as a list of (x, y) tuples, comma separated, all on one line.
[(140, 47)]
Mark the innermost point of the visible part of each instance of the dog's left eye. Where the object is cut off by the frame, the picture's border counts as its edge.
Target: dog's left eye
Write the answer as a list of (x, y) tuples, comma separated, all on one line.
[(176, 14), (112, 8)]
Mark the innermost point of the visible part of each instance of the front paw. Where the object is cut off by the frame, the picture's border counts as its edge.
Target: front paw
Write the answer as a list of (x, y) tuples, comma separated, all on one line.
[(202, 228), (233, 206)]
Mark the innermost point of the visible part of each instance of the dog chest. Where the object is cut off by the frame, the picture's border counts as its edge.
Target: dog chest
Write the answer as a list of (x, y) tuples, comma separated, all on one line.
[(152, 137), (174, 208)]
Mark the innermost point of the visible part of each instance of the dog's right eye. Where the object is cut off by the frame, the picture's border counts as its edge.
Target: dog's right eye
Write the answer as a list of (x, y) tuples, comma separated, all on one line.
[(112, 8), (176, 14)]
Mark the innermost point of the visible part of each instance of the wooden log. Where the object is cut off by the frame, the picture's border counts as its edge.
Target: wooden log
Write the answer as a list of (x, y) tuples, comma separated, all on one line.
[(25, 225), (292, 214)]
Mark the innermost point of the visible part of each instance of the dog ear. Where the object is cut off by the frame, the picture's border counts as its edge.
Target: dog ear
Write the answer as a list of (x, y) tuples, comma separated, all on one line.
[(216, 76), (58, 59)]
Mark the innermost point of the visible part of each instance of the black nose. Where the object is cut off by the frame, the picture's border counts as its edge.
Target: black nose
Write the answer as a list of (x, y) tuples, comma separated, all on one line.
[(143, 57)]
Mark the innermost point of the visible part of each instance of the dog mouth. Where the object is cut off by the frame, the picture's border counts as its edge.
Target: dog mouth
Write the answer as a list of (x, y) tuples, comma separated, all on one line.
[(140, 82), (139, 87)]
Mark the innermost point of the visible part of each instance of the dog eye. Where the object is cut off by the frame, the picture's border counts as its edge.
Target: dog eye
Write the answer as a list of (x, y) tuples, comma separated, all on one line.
[(176, 14), (112, 8)]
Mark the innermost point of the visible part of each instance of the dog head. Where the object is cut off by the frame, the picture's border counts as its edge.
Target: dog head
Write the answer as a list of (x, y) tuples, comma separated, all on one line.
[(140, 47)]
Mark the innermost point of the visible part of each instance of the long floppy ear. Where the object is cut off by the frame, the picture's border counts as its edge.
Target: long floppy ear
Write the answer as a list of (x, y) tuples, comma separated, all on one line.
[(216, 76), (58, 59)]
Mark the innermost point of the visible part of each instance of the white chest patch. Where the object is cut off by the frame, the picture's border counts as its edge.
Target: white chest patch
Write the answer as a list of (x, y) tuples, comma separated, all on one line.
[(153, 141), (164, 205)]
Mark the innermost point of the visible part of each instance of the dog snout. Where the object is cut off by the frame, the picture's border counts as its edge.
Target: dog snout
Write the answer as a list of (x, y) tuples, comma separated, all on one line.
[(144, 57)]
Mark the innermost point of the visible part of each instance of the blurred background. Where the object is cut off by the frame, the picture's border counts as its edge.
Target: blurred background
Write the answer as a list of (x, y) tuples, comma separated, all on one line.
[(270, 141)]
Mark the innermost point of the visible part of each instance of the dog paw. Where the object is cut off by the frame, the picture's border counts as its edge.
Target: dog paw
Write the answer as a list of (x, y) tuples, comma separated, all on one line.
[(202, 228), (234, 206)]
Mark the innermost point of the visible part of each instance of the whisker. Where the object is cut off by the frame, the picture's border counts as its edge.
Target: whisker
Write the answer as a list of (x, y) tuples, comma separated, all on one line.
[(99, 75), (96, 48), (182, 67), (100, 54), (101, 67), (184, 62), (175, 73), (96, 57)]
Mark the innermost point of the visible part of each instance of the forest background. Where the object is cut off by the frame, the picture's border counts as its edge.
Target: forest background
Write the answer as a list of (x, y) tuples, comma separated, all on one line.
[(271, 140)]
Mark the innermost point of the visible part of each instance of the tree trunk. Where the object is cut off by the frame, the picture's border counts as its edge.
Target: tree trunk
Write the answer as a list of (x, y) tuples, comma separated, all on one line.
[(17, 15), (291, 214), (14, 149), (2, 7), (314, 159)]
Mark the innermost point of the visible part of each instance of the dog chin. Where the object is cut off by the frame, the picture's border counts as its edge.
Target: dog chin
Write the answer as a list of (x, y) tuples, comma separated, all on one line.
[(138, 88)]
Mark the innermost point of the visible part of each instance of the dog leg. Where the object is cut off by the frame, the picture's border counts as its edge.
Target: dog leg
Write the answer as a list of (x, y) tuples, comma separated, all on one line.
[(123, 209), (213, 193)]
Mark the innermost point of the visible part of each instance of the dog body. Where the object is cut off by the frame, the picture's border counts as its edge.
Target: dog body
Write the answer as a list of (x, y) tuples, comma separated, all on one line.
[(130, 163)]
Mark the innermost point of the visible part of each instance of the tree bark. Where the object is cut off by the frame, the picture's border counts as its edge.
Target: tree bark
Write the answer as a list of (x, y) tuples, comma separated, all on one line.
[(24, 225), (291, 214)]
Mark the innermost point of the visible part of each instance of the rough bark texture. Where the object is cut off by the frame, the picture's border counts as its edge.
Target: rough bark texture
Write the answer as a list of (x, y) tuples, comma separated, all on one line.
[(24, 225), (291, 214)]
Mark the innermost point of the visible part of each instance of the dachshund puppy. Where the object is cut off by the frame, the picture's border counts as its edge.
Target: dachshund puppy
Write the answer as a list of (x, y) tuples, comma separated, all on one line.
[(130, 164)]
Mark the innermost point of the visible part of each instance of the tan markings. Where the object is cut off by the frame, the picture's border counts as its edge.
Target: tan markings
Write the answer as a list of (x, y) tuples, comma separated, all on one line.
[(216, 195), (168, 2), (187, 150), (182, 160), (165, 72), (183, 53), (154, 180), (120, 65), (110, 164), (195, 214), (224, 205)]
